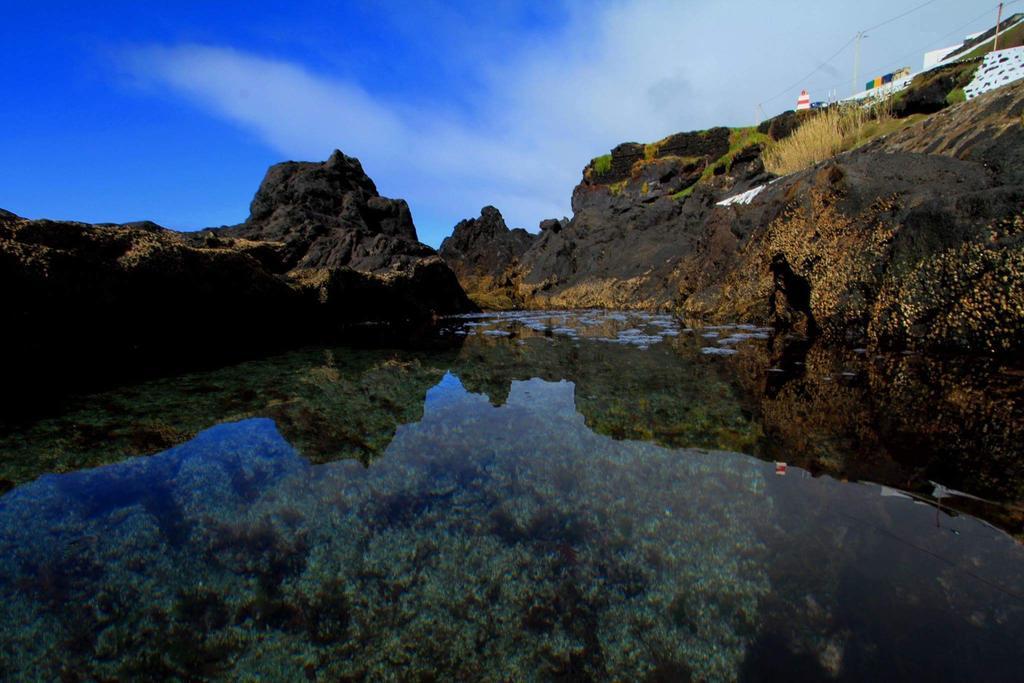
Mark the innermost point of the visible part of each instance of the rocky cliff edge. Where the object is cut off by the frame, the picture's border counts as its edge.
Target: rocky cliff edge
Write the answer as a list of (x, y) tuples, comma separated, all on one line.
[(321, 251), (914, 240)]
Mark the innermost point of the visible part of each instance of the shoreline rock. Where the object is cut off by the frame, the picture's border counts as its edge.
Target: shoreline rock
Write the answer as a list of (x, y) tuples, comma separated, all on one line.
[(480, 247), (913, 241), (320, 252)]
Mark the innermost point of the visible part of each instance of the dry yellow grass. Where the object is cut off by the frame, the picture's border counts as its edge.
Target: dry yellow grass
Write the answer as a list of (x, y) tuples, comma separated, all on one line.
[(834, 130)]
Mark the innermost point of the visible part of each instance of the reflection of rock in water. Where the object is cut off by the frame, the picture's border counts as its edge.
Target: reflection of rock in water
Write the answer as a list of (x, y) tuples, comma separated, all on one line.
[(667, 394), (897, 419), (489, 544), (606, 552), (339, 414), (331, 404), (865, 580)]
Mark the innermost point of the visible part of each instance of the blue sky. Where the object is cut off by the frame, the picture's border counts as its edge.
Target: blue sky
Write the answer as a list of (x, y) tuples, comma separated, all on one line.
[(119, 111)]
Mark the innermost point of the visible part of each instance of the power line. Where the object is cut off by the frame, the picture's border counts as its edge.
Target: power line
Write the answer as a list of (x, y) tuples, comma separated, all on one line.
[(959, 28), (951, 563), (942, 37), (845, 45), (889, 21), (820, 67)]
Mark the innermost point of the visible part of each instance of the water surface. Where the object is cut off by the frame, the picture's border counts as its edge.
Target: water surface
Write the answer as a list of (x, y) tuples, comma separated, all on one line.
[(585, 496)]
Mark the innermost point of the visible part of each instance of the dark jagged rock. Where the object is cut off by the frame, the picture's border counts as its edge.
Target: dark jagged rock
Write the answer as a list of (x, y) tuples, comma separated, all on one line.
[(553, 224), (480, 247), (711, 143), (320, 251), (329, 215), (619, 163), (850, 246), (485, 244), (884, 245), (91, 299), (986, 131), (911, 241), (783, 125), (637, 212), (353, 251)]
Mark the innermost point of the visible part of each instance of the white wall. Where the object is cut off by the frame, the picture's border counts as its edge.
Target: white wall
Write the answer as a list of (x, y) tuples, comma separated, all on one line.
[(998, 69)]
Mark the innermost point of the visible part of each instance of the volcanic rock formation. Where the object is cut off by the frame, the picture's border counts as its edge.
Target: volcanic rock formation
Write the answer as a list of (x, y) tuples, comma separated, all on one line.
[(636, 211), (480, 247), (329, 215), (911, 241), (321, 250)]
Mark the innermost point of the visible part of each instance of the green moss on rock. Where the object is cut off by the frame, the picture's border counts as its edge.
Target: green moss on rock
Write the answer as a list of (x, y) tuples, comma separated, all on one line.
[(602, 164)]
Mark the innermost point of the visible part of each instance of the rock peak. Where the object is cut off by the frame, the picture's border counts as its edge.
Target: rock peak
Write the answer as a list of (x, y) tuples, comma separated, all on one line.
[(339, 158), (479, 246), (329, 214)]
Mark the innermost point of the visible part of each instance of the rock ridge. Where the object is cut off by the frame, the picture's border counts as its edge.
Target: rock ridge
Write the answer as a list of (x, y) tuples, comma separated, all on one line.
[(912, 241), (320, 252), (480, 248)]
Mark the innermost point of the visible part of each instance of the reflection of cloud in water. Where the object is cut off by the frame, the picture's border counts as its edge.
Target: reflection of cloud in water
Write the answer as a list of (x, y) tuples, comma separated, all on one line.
[(489, 542)]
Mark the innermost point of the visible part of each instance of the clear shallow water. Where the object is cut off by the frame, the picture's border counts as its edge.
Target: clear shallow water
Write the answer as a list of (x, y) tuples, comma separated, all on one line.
[(567, 496)]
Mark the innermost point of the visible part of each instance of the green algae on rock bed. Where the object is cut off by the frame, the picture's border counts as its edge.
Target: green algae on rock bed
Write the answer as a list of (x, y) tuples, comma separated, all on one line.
[(491, 542), (899, 419), (525, 504), (331, 404), (461, 553)]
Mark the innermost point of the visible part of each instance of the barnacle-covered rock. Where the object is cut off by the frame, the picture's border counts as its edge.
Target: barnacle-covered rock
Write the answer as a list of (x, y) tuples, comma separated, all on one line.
[(910, 241)]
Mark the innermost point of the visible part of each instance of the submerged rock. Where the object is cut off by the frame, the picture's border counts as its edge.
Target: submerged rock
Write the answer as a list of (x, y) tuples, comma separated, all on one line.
[(520, 534), (230, 555)]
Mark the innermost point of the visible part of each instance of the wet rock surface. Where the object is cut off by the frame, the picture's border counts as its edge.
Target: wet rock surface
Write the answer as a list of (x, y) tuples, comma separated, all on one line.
[(867, 249), (910, 242)]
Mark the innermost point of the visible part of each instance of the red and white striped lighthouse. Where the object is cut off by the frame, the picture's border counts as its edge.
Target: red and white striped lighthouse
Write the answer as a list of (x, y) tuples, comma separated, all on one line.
[(804, 101)]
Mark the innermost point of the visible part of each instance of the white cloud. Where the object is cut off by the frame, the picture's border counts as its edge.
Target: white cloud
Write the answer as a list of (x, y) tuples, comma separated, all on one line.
[(614, 72)]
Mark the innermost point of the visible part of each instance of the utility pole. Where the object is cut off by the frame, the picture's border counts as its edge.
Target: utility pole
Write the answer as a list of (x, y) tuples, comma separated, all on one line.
[(999, 19), (856, 61)]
